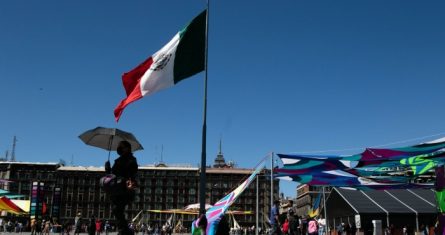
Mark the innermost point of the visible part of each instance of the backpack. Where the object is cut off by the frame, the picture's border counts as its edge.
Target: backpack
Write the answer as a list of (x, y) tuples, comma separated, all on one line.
[(312, 227)]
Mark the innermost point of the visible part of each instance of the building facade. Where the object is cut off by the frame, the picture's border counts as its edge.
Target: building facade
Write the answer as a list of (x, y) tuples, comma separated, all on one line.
[(23, 174), (306, 197), (161, 187)]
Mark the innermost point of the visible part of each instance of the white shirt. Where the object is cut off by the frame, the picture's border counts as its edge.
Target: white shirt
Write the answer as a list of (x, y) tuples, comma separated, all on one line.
[(321, 222)]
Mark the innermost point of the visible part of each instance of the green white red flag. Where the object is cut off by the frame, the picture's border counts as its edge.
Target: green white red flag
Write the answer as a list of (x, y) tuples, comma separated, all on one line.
[(180, 58)]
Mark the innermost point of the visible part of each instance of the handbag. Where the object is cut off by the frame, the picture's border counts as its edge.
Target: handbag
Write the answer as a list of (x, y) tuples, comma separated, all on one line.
[(108, 182)]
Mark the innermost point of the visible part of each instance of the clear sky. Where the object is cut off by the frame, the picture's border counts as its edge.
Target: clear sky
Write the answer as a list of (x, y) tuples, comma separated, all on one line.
[(284, 76)]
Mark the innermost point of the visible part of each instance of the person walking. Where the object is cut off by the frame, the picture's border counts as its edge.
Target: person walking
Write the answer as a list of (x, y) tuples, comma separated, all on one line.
[(274, 218), (98, 227), (285, 228), (199, 226), (78, 224), (223, 227), (321, 226), (46, 227), (107, 227), (294, 224), (124, 168), (91, 226), (33, 226)]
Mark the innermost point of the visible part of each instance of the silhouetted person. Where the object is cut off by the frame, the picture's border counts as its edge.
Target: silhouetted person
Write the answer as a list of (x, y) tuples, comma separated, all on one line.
[(92, 226), (124, 168), (78, 224), (223, 227)]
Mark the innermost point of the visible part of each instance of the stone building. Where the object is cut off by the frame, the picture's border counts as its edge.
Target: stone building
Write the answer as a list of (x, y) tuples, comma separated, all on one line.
[(161, 187)]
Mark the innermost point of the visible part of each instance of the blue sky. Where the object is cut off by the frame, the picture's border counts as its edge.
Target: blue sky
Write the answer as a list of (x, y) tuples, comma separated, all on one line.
[(284, 76)]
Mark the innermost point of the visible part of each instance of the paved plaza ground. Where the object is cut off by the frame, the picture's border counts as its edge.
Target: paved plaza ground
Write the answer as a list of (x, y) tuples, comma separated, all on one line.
[(28, 233)]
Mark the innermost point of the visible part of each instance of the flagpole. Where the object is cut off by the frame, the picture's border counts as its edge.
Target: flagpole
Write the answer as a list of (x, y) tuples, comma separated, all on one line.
[(271, 181), (202, 176), (256, 206)]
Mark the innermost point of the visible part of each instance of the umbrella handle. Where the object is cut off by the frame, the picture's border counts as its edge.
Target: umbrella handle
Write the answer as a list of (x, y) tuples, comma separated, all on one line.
[(109, 146)]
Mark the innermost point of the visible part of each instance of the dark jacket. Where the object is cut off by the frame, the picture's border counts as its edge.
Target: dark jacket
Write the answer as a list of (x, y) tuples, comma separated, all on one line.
[(293, 225), (125, 167), (92, 226)]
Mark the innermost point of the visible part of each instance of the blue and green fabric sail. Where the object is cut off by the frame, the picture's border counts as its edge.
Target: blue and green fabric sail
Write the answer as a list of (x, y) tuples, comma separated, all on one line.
[(374, 168)]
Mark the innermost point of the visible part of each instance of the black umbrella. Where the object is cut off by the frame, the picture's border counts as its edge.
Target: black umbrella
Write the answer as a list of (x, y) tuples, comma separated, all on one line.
[(109, 138)]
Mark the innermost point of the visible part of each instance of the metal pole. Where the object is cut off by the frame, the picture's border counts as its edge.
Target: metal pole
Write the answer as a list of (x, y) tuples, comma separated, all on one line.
[(334, 226), (271, 181), (325, 212), (417, 222), (110, 143), (256, 209), (202, 176), (439, 187)]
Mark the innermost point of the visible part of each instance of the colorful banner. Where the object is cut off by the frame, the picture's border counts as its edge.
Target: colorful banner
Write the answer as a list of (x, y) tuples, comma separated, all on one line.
[(37, 197), (217, 211), (55, 209)]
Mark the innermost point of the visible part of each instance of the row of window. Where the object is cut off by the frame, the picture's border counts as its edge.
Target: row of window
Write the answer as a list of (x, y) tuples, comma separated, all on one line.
[(93, 181), (32, 175)]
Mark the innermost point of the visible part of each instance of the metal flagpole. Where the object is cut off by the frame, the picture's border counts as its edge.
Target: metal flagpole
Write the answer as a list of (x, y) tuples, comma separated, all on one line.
[(256, 209), (202, 176), (271, 181)]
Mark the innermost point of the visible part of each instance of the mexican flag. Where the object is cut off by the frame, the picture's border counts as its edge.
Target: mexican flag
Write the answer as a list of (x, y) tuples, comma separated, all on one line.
[(180, 58)]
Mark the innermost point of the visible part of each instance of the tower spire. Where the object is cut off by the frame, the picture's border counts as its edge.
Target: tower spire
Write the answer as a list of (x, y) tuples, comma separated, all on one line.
[(220, 146), (220, 162)]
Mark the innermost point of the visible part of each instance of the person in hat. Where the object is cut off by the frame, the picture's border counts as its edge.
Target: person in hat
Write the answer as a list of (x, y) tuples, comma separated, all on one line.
[(125, 168)]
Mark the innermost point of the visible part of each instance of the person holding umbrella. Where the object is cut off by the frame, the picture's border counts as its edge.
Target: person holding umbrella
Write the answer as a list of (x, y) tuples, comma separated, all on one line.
[(124, 168)]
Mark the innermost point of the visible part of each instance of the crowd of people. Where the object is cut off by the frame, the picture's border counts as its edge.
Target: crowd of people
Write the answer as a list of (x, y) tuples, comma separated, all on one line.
[(11, 226), (292, 224), (82, 225)]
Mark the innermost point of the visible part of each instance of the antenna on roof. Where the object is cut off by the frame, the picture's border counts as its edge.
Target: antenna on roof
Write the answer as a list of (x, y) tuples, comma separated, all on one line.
[(162, 153), (220, 145), (14, 141)]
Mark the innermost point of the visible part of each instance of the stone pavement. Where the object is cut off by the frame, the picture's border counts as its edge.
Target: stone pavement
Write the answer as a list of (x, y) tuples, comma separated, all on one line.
[(28, 233)]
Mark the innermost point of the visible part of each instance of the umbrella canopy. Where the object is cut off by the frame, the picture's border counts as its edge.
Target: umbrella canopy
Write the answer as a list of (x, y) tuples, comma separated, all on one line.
[(195, 206), (8, 206), (9, 195), (109, 138)]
